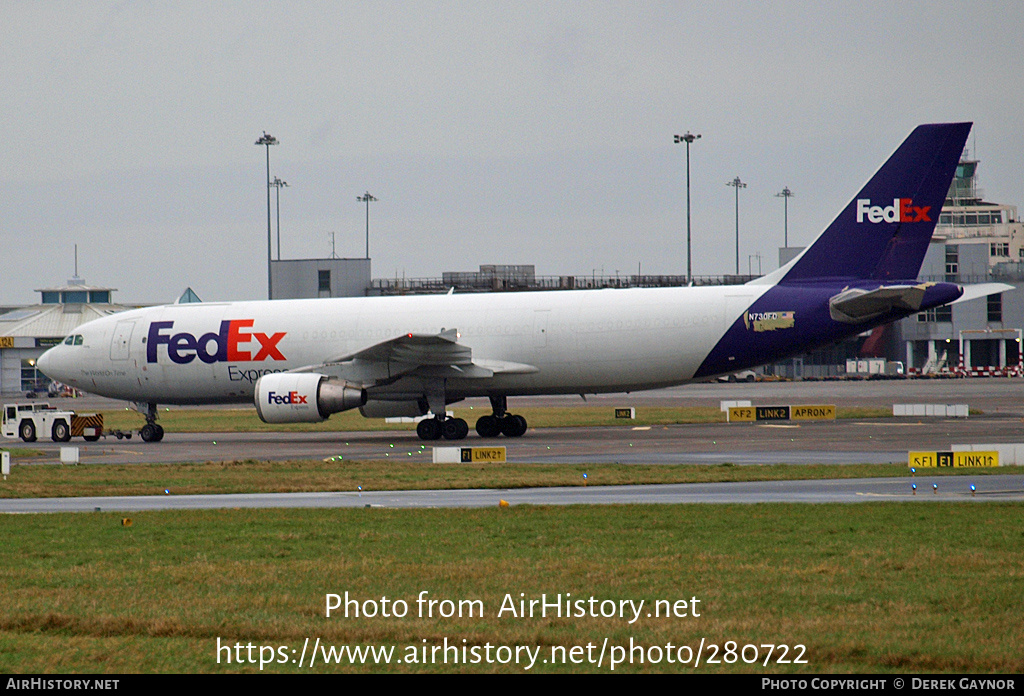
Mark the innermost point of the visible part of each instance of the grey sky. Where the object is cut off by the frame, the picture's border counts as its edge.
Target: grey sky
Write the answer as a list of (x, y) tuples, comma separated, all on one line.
[(491, 132)]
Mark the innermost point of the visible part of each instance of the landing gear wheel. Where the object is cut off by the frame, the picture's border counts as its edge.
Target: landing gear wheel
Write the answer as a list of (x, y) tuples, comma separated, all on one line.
[(60, 432), (150, 432), (513, 426), (454, 429), (488, 426), (27, 431), (429, 429)]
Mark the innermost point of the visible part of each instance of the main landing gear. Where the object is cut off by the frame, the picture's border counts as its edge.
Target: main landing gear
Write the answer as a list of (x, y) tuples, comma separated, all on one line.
[(448, 428), (151, 431), (500, 422), (440, 425)]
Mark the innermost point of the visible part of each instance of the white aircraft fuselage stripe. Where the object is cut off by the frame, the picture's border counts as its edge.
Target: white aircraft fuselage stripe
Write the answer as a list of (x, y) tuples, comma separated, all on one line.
[(580, 341)]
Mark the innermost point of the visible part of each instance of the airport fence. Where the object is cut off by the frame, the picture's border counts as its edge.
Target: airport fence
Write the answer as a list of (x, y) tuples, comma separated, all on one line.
[(471, 282)]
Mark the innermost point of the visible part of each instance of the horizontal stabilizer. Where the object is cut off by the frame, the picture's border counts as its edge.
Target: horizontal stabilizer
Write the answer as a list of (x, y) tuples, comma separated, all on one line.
[(973, 292), (856, 306)]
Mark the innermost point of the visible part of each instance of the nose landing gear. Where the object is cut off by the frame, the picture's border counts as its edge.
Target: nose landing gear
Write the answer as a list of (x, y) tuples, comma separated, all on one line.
[(151, 431)]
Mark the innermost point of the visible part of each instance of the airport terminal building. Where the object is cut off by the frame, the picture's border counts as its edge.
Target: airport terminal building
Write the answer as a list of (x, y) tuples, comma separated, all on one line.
[(27, 331), (974, 242)]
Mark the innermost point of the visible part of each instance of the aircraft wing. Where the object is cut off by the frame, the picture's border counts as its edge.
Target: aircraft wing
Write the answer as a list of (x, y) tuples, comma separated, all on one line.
[(423, 355)]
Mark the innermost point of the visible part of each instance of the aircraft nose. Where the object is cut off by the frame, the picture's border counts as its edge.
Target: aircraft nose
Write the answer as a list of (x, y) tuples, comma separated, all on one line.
[(48, 364)]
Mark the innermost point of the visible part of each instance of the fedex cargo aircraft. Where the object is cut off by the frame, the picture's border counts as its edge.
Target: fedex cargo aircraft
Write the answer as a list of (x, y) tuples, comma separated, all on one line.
[(302, 360)]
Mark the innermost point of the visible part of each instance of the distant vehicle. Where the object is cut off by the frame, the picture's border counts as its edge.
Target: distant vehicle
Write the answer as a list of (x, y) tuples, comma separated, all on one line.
[(741, 376), (29, 421), (875, 368), (55, 390), (303, 360)]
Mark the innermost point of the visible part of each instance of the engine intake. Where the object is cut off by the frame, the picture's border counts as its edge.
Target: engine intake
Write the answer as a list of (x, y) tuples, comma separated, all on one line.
[(304, 397)]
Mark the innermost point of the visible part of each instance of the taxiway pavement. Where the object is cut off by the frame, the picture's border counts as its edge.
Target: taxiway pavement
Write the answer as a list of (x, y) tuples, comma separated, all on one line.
[(846, 441), (993, 488)]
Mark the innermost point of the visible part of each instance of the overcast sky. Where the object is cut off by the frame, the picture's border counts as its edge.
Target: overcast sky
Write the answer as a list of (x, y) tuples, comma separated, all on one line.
[(491, 132)]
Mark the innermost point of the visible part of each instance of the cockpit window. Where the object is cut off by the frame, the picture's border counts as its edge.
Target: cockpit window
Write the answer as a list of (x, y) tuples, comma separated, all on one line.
[(74, 340), (78, 340)]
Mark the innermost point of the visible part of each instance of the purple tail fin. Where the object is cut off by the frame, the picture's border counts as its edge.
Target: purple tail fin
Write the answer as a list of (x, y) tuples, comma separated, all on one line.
[(884, 231)]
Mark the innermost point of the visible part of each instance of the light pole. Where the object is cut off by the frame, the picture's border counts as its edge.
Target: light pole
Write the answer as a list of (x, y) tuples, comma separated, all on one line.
[(737, 184), (785, 194), (688, 138), (267, 140), (367, 198), (277, 184)]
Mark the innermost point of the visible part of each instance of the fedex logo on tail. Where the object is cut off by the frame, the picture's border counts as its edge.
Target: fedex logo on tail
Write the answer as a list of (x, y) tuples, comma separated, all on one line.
[(901, 210), (224, 346)]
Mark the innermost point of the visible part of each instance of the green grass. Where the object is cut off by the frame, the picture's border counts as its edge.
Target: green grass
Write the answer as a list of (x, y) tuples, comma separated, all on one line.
[(867, 588), (303, 476), (912, 587), (22, 452), (246, 420)]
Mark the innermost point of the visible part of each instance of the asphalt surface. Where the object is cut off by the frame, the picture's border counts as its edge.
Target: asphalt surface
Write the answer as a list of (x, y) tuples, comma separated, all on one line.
[(946, 489), (841, 442), (882, 440)]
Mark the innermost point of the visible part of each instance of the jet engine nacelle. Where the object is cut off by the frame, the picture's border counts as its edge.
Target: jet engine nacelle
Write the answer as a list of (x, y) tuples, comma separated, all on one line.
[(303, 397)]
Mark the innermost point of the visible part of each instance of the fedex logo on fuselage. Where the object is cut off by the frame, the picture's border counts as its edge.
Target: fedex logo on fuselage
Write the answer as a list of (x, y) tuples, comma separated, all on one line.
[(901, 210), (223, 346)]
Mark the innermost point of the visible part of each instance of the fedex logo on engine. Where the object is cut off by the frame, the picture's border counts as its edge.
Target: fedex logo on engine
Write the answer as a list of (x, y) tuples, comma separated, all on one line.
[(901, 210), (292, 397), (223, 346)]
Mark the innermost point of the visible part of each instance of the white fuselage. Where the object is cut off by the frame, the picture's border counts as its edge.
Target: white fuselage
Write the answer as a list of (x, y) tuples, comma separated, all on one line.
[(580, 341)]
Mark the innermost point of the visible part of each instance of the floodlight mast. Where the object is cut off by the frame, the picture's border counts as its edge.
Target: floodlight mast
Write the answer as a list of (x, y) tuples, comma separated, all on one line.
[(785, 194), (737, 184), (367, 198), (278, 184), (688, 138), (267, 140)]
